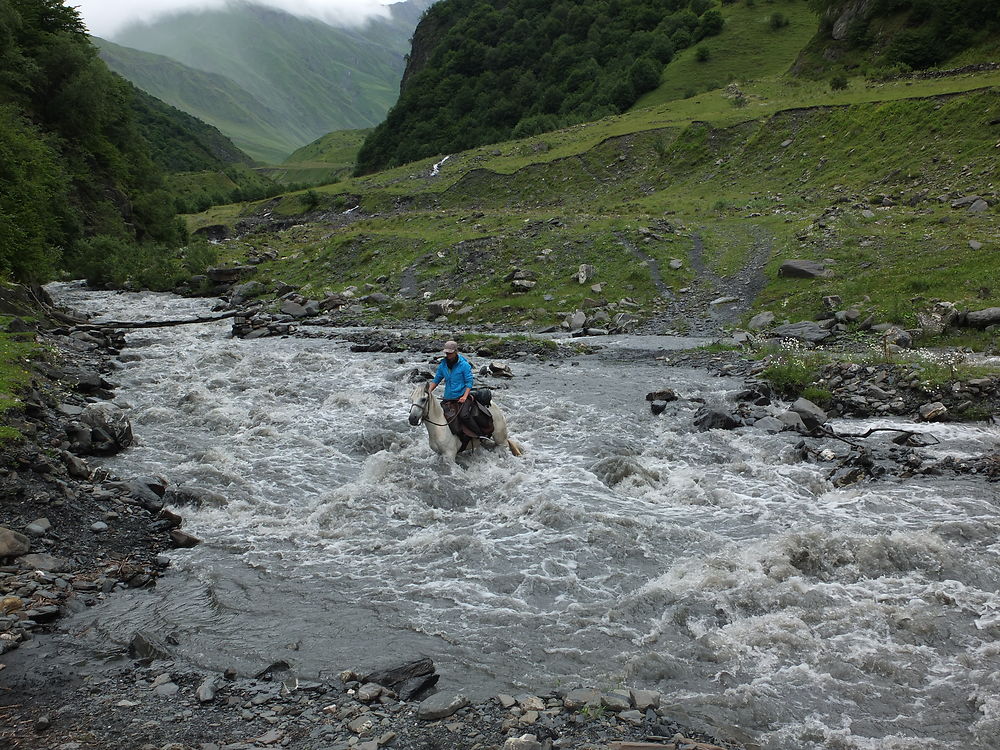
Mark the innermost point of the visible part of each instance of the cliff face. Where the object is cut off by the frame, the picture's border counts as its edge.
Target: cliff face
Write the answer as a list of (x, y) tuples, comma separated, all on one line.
[(430, 28)]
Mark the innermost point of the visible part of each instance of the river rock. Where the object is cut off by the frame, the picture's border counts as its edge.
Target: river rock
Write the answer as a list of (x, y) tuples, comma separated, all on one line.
[(111, 431), (657, 407), (47, 563), (575, 320), (933, 412), (643, 699), (812, 416), (666, 394), (206, 691), (804, 269), (524, 742), (792, 421), (13, 544), (805, 330), (761, 320), (441, 706), (38, 527), (576, 699), (585, 273), (183, 539), (770, 424), (712, 418)]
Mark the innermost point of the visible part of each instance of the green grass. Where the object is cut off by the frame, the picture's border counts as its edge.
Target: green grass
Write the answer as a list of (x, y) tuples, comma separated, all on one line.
[(16, 352)]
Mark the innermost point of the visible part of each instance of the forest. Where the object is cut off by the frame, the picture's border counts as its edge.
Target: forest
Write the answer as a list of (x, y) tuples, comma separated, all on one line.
[(81, 194), (485, 71)]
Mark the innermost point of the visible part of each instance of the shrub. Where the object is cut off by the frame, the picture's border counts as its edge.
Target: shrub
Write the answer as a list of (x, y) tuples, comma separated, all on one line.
[(838, 83), (703, 54), (777, 21)]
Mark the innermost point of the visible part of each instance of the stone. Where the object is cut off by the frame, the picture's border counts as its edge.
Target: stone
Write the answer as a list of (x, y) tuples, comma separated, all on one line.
[(585, 273), (966, 201), (710, 418), (98, 527), (111, 430), (770, 424), (206, 691), (632, 717), (676, 264), (38, 527), (47, 563), (898, 337), (441, 705), (812, 416), (643, 699), (983, 318), (805, 330), (524, 742), (576, 699), (183, 539), (975, 244), (657, 407), (792, 421), (979, 207), (369, 692), (868, 213), (615, 703), (847, 475), (166, 690), (761, 320), (666, 394), (361, 724), (575, 320), (803, 269), (933, 412)]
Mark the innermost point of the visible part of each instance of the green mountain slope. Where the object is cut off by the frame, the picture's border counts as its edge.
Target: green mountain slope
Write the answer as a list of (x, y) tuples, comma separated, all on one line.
[(482, 71), (299, 78), (325, 160), (210, 97)]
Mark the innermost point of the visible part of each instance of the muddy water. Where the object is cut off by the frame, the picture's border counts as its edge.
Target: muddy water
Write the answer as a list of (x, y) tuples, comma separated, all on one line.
[(620, 549)]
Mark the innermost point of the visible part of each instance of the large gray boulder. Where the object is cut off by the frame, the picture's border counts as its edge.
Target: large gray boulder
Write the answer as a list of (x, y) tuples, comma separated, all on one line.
[(982, 318), (110, 429), (805, 330), (441, 706), (804, 269), (761, 320), (812, 416), (13, 544)]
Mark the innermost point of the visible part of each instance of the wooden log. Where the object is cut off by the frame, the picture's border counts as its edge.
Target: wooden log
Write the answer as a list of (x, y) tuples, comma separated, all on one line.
[(158, 323)]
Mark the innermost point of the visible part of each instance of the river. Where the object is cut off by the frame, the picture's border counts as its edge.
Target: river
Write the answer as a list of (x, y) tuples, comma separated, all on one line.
[(621, 549)]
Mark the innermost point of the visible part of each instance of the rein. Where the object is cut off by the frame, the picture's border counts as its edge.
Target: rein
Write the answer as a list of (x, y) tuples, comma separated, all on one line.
[(424, 417)]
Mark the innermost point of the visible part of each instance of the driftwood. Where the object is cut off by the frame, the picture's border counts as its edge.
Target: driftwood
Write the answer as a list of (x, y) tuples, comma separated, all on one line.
[(904, 437), (407, 680), (158, 323)]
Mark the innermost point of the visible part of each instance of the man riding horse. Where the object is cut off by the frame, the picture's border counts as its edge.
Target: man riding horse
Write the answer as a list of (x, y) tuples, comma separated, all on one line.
[(460, 409)]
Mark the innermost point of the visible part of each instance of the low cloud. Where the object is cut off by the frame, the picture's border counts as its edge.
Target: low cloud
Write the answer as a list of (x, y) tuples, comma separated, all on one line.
[(105, 17)]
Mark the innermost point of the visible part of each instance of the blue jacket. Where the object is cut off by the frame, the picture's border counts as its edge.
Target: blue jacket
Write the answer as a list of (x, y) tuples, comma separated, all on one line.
[(457, 378)]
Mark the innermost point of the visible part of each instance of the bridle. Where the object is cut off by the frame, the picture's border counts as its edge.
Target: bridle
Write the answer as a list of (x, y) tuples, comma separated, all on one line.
[(425, 406)]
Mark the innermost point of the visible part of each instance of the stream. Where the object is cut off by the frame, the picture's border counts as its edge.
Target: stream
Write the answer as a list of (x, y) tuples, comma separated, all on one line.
[(621, 549)]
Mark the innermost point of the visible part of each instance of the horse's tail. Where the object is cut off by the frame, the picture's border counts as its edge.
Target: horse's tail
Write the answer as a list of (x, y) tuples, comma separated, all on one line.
[(515, 449)]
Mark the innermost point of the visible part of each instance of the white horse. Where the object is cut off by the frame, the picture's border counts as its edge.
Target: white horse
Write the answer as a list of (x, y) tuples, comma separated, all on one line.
[(424, 408)]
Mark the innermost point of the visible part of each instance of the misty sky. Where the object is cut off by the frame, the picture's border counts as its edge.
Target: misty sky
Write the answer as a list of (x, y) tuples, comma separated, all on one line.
[(105, 17)]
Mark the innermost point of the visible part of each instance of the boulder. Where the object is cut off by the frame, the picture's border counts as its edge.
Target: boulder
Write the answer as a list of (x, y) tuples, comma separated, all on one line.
[(441, 706), (761, 320), (576, 699), (524, 742), (575, 320), (38, 527), (585, 273), (968, 200), (667, 394), (441, 307), (935, 319), (805, 330), (290, 307), (983, 318), (812, 416), (933, 412), (712, 418), (12, 543), (792, 421), (804, 269), (770, 424), (110, 429), (47, 563), (979, 207)]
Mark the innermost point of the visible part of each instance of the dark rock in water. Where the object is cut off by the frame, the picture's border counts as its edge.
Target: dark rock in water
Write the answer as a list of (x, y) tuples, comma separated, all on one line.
[(146, 646), (667, 394), (848, 475), (616, 469), (441, 706), (411, 689), (715, 419), (657, 407), (183, 539), (812, 416)]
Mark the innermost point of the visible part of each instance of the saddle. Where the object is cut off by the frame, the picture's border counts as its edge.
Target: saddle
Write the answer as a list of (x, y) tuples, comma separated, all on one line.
[(471, 419)]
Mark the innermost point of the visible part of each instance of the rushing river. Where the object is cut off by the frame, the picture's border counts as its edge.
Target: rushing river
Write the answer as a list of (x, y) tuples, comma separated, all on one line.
[(622, 548)]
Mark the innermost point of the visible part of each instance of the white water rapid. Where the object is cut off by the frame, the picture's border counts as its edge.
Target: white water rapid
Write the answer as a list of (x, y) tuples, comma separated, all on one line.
[(622, 548)]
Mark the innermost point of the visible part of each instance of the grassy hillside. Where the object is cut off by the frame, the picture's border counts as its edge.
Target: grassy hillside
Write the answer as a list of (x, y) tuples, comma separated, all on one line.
[(321, 162), (861, 178), (751, 46)]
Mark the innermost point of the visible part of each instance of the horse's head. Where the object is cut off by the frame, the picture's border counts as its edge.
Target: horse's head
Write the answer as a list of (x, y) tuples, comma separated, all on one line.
[(418, 404)]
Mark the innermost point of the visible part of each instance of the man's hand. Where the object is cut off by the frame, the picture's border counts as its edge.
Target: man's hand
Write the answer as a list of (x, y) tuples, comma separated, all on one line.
[(462, 398)]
